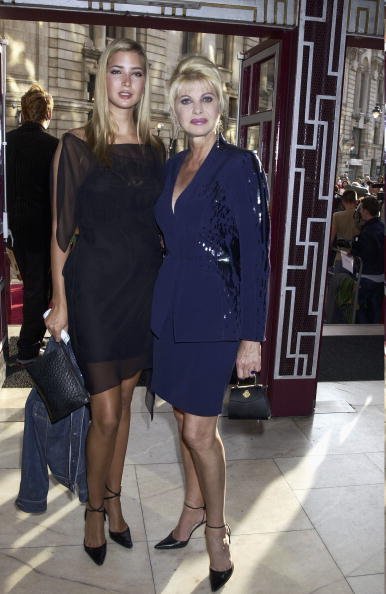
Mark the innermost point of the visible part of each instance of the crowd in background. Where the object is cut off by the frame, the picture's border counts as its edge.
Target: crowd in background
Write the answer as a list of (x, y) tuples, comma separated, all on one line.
[(356, 283), (361, 185)]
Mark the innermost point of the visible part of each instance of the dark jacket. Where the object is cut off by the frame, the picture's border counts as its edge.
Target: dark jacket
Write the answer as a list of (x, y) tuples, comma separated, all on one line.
[(215, 272), (29, 153), (60, 446), (368, 245)]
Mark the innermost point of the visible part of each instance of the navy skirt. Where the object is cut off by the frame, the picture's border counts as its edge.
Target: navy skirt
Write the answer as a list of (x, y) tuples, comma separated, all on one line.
[(192, 376)]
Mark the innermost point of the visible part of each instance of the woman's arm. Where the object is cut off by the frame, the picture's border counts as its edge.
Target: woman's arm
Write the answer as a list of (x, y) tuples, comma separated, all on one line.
[(57, 320), (249, 191)]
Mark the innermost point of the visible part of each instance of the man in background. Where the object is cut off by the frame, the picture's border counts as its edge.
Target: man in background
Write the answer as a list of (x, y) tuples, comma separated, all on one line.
[(368, 245), (29, 154)]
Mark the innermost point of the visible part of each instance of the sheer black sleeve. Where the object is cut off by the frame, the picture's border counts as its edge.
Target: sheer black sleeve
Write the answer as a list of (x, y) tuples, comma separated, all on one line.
[(72, 166)]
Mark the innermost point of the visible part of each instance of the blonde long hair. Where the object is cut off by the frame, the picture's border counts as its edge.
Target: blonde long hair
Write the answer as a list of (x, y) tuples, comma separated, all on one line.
[(101, 129)]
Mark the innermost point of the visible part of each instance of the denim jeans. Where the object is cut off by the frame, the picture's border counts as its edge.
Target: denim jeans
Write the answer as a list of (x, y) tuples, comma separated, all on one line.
[(58, 446)]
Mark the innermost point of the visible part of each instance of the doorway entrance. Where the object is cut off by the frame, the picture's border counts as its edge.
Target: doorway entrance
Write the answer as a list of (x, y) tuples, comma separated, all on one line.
[(303, 162)]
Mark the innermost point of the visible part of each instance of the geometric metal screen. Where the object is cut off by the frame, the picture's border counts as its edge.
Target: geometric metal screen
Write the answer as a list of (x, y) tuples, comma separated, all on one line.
[(320, 67)]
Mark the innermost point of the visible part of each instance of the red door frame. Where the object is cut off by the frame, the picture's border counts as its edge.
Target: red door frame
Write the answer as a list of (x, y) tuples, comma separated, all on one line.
[(283, 123), (278, 195), (292, 394)]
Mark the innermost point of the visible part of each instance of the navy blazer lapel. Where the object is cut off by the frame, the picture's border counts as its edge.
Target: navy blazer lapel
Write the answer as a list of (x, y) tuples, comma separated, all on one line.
[(204, 175)]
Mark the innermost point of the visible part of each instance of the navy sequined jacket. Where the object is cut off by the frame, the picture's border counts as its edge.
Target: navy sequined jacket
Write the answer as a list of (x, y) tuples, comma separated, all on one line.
[(213, 280)]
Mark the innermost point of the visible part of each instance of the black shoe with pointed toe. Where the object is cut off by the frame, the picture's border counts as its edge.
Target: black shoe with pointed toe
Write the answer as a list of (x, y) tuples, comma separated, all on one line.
[(97, 554), (122, 538), (172, 543), (219, 578)]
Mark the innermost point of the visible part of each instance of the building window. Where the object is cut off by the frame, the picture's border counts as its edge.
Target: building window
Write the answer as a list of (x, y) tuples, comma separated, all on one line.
[(377, 135), (357, 135), (233, 107), (91, 88), (111, 32), (222, 50), (190, 43), (364, 89), (380, 91)]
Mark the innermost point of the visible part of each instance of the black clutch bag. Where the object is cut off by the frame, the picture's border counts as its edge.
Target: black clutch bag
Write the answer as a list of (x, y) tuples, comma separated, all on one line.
[(58, 380), (249, 401)]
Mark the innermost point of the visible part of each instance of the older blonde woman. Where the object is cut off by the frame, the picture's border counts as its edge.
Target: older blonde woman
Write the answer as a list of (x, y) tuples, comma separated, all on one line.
[(107, 176), (210, 296)]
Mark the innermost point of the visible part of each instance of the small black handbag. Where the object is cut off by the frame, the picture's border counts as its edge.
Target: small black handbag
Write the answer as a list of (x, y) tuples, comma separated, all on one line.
[(249, 401), (58, 380)]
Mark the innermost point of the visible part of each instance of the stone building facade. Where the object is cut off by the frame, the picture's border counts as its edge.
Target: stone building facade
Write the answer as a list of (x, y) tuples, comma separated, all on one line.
[(63, 58), (361, 127)]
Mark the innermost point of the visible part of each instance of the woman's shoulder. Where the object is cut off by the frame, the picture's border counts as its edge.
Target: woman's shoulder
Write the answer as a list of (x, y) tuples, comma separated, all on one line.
[(177, 157), (237, 153), (238, 159), (76, 136), (173, 161), (75, 142), (78, 133)]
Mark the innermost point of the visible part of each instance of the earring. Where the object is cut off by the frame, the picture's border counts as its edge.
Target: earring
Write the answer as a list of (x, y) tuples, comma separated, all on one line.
[(219, 130)]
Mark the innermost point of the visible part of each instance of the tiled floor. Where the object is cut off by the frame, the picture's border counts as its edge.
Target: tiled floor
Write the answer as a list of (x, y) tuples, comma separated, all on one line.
[(305, 502)]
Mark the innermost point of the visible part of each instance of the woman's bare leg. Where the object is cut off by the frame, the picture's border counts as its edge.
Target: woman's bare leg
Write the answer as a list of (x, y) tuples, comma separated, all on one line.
[(201, 436), (114, 476), (193, 496), (105, 415)]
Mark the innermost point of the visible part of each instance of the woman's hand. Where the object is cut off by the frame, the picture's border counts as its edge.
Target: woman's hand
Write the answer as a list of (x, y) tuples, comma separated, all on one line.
[(248, 358), (57, 320)]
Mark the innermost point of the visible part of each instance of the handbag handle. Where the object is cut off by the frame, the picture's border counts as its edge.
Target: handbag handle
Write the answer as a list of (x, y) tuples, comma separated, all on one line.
[(241, 385)]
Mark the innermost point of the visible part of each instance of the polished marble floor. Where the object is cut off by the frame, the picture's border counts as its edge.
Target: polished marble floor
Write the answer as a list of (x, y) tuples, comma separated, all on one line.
[(305, 503)]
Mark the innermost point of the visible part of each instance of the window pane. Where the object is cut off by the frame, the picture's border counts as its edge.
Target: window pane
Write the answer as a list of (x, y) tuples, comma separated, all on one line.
[(266, 84), (245, 87), (253, 138)]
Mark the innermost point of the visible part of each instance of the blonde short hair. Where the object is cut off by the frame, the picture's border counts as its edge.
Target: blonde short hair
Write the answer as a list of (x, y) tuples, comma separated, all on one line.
[(196, 68), (36, 104)]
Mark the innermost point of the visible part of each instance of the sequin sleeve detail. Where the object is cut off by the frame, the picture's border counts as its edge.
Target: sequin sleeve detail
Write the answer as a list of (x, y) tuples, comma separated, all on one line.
[(248, 192)]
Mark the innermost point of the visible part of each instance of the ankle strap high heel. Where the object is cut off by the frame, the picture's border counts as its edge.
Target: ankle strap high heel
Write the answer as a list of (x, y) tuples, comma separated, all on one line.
[(227, 529), (172, 543), (90, 508), (97, 554), (123, 538), (191, 506), (114, 494), (219, 578)]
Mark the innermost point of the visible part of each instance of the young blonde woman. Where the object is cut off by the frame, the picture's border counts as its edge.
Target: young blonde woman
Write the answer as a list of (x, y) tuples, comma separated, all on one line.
[(209, 303), (105, 255)]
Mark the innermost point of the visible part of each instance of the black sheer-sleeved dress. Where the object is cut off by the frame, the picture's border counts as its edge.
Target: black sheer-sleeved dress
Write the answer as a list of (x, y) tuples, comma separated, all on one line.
[(112, 266)]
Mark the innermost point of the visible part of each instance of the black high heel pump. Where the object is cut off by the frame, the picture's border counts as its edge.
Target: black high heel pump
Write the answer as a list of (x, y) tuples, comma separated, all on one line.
[(123, 538), (171, 543), (97, 554), (219, 578)]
